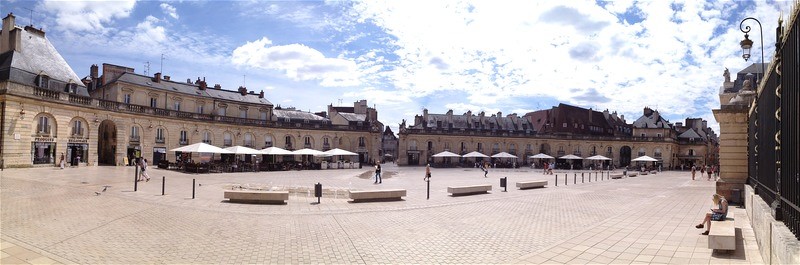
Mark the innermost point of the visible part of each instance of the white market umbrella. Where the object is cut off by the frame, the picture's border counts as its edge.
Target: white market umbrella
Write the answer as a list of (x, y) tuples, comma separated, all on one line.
[(339, 152), (241, 150), (504, 155), (275, 151), (201, 148), (540, 155), (307, 151), (598, 157), (446, 154), (570, 157), (475, 154), (645, 159)]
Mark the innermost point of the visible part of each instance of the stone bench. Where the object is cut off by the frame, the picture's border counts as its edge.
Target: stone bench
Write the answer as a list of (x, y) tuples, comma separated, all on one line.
[(466, 190), (633, 174), (653, 172), (645, 173), (616, 176), (376, 195), (257, 196), (531, 184), (722, 234)]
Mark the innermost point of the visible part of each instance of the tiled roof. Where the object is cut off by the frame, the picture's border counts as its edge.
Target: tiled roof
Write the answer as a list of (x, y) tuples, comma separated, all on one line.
[(191, 89), (38, 56), (353, 116), (297, 115), (654, 120)]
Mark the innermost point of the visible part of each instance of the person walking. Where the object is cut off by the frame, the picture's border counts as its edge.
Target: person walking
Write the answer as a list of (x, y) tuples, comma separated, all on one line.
[(143, 168), (485, 168), (427, 173), (378, 178), (61, 162), (708, 171), (694, 171)]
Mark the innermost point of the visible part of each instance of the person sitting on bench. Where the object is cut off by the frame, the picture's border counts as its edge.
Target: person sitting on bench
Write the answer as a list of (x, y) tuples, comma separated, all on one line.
[(717, 214)]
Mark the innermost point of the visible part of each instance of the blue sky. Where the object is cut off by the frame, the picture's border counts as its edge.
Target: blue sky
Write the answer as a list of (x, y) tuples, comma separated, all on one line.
[(403, 56)]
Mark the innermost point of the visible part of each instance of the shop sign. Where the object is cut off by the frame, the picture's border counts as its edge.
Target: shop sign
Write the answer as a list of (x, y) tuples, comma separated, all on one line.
[(44, 139), (78, 140)]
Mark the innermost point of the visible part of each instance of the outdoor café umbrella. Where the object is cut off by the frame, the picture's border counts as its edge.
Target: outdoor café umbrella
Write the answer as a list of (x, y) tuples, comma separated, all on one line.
[(570, 157), (275, 151), (540, 155), (446, 154), (339, 152), (307, 151), (475, 154), (644, 159), (503, 155), (201, 148), (241, 150), (598, 157)]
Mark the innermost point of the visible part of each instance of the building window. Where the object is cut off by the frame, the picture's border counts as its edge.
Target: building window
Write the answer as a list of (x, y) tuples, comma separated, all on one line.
[(325, 144), (77, 128), (307, 142), (248, 140), (221, 111), (184, 140), (430, 146), (362, 142), (477, 125), (609, 151), (227, 139), (446, 146), (43, 81), (44, 125), (134, 134), (594, 151), (658, 135), (288, 140), (243, 113), (657, 153), (160, 135), (263, 115), (267, 141), (207, 137), (200, 108), (177, 105), (480, 147), (126, 98), (495, 148), (565, 125), (644, 135), (641, 151), (153, 102), (463, 147)]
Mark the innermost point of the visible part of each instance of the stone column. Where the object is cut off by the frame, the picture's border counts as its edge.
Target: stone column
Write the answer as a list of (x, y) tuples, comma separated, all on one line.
[(732, 149)]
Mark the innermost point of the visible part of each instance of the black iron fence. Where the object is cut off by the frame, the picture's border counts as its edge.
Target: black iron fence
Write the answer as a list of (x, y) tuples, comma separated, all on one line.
[(774, 163)]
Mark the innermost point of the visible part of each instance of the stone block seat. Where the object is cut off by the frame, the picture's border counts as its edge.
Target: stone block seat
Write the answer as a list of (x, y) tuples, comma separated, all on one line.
[(645, 173), (469, 190), (377, 195), (633, 174), (257, 196), (531, 184), (653, 172), (722, 234), (616, 176)]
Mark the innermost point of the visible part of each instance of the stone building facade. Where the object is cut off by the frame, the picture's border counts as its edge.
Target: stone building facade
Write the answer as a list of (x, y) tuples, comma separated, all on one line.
[(106, 119), (558, 131)]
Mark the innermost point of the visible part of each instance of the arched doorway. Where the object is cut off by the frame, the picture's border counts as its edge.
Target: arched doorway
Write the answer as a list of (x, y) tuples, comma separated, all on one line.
[(625, 156), (107, 143)]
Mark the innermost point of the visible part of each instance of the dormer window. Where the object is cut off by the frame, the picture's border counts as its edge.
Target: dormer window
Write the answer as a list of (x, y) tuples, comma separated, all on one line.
[(438, 124), (43, 81), (287, 119), (71, 88)]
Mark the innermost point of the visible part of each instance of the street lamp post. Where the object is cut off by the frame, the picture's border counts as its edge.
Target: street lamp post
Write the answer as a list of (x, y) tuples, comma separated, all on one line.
[(747, 44)]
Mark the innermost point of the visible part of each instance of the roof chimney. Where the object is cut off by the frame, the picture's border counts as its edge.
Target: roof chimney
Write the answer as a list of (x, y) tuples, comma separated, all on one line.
[(261, 95), (93, 71), (157, 78), (202, 85), (166, 77), (11, 37), (217, 86), (242, 90)]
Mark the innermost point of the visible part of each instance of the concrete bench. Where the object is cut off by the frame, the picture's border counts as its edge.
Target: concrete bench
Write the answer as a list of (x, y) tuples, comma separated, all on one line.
[(257, 196), (376, 195), (722, 234), (616, 176), (466, 190), (531, 184), (645, 173), (653, 172), (633, 174)]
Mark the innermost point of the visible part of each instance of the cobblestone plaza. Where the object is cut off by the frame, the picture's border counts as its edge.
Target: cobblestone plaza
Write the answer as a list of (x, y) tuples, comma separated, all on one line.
[(56, 216)]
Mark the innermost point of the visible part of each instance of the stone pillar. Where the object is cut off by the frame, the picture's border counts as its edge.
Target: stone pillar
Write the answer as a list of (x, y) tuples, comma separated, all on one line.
[(732, 149)]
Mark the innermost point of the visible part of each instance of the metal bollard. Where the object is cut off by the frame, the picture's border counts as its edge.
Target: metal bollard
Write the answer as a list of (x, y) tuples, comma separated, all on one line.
[(318, 192), (136, 180), (581, 177), (556, 180), (575, 178), (504, 183), (193, 182), (595, 176), (163, 180)]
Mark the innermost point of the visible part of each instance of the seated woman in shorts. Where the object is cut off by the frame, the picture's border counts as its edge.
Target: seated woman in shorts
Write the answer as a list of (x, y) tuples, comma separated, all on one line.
[(717, 214)]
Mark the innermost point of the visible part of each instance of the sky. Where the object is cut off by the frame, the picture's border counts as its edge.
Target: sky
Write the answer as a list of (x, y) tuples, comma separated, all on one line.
[(405, 56)]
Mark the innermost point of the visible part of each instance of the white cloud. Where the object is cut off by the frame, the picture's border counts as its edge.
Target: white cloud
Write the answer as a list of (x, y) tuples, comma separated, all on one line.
[(87, 15), (298, 62), (169, 10)]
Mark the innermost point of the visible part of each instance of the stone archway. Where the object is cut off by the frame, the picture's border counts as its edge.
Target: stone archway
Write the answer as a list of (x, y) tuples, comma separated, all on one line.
[(107, 143), (625, 156)]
